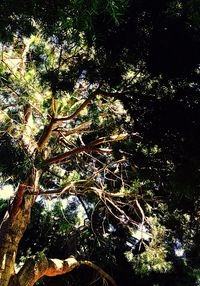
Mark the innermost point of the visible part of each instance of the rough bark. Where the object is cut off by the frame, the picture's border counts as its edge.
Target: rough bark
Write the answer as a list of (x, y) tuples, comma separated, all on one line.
[(11, 231), (17, 217), (14, 225)]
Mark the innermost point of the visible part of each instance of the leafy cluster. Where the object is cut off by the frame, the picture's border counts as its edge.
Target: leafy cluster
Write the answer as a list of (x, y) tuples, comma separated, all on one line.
[(138, 62), (14, 161)]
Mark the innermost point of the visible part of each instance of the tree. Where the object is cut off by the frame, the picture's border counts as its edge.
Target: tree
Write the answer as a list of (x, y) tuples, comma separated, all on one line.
[(63, 78), (37, 78)]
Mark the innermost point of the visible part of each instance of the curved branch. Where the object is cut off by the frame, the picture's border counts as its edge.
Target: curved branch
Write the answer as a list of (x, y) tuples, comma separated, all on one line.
[(83, 105), (38, 266), (100, 271), (88, 100)]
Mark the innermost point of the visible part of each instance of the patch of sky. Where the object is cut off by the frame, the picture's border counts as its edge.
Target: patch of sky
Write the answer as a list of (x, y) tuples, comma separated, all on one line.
[(78, 211), (111, 228), (178, 249), (6, 191), (141, 233)]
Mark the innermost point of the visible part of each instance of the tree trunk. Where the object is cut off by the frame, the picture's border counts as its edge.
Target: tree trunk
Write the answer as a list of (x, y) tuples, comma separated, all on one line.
[(14, 225)]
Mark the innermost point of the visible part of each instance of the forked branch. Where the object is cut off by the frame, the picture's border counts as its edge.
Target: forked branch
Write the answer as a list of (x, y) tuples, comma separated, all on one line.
[(49, 128), (88, 147), (76, 151)]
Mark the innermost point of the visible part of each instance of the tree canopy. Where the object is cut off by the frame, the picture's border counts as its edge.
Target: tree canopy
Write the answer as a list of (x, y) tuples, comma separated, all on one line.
[(99, 138)]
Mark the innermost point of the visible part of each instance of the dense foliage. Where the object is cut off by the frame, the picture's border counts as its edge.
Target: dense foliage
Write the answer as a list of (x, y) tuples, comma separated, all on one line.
[(118, 81)]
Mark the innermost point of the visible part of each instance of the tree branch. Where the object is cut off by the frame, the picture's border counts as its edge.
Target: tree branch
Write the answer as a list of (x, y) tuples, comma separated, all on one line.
[(88, 100), (88, 147), (46, 134), (81, 128), (100, 271), (65, 155), (83, 105), (38, 266), (49, 128)]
